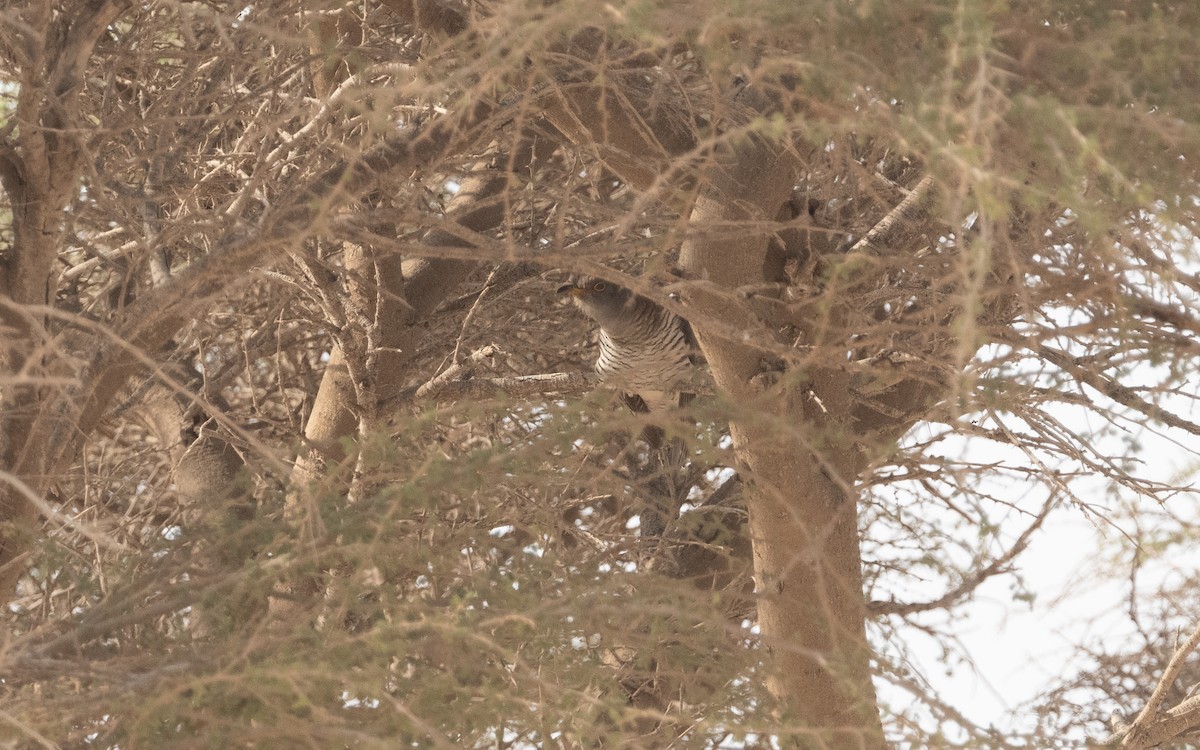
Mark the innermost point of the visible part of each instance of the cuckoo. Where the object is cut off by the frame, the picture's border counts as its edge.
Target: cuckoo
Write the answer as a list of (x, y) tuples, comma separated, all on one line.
[(645, 350), (649, 353)]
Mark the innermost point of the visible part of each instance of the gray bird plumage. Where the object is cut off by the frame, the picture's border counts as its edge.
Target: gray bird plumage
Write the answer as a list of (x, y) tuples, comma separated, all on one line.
[(644, 348), (649, 353)]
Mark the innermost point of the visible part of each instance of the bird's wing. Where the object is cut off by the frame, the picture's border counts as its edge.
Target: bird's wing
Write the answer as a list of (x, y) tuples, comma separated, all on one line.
[(695, 356)]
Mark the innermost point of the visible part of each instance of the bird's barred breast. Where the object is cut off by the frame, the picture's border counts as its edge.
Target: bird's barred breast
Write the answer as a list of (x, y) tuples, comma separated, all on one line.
[(649, 357)]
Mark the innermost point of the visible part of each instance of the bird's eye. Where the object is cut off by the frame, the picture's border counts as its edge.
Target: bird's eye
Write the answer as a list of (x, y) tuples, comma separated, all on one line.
[(598, 286)]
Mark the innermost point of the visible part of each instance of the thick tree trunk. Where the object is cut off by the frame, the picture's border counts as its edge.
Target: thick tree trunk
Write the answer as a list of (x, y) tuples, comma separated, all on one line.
[(39, 171), (807, 566), (26, 282), (801, 469), (802, 506)]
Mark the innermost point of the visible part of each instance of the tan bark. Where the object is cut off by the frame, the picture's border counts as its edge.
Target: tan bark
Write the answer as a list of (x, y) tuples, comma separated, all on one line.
[(636, 127), (802, 511), (800, 466), (204, 466), (58, 422), (635, 142), (400, 293), (40, 172), (410, 290), (803, 527)]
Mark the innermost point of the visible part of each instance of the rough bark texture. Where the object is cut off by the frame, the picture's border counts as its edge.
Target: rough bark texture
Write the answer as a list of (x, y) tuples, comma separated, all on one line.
[(40, 171), (845, 261), (646, 145), (801, 502)]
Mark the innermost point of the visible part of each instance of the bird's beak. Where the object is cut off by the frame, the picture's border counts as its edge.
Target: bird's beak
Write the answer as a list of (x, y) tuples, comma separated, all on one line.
[(565, 288)]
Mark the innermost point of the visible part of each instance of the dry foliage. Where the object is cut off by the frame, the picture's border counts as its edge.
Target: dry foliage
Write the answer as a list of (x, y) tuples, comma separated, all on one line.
[(297, 448)]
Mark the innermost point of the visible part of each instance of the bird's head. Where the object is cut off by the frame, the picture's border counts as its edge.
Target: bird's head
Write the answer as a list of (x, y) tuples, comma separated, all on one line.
[(600, 300)]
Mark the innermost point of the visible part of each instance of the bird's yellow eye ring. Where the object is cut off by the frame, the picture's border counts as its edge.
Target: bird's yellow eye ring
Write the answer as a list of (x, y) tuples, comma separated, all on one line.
[(598, 286)]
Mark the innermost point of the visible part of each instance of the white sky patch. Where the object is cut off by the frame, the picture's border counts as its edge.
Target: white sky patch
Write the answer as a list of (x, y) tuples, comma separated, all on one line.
[(534, 549), (1019, 648), (351, 701)]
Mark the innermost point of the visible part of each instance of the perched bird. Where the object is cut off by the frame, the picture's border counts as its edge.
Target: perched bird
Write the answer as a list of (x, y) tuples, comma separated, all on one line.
[(645, 350), (650, 354)]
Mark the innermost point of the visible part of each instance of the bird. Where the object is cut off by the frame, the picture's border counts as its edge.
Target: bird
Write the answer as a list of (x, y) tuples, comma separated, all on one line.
[(650, 354), (647, 351)]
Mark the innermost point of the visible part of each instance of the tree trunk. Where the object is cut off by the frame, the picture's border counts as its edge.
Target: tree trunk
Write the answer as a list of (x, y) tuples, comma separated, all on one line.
[(808, 576), (801, 501), (39, 170)]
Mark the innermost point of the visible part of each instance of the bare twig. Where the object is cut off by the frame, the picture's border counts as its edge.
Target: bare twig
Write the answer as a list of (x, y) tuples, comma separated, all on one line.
[(28, 730), (487, 285), (458, 371), (956, 594), (1123, 395), (51, 514)]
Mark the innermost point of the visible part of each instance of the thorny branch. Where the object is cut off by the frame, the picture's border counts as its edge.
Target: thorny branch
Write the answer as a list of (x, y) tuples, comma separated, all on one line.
[(1120, 393), (972, 582), (1153, 726)]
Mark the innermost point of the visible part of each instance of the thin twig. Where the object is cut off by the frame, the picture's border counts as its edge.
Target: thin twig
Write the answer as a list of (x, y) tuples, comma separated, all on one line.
[(28, 730), (972, 582), (51, 514), (487, 285), (1123, 395)]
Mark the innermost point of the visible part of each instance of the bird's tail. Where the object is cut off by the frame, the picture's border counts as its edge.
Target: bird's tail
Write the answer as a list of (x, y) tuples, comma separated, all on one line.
[(665, 482)]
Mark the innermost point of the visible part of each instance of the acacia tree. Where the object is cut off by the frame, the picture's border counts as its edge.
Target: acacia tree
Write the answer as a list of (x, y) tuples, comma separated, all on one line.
[(260, 486)]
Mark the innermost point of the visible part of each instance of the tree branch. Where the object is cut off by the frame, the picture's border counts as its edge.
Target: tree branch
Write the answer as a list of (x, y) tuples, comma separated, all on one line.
[(429, 16), (459, 381), (1123, 395), (883, 229), (879, 608), (1153, 727), (66, 419), (562, 383)]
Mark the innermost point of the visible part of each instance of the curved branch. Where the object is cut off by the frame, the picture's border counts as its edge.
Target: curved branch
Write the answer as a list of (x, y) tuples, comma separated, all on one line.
[(562, 383), (1123, 395), (907, 209), (964, 589), (64, 421)]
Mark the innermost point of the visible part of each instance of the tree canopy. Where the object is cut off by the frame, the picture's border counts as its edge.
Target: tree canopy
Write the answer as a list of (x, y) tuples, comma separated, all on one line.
[(298, 446)]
